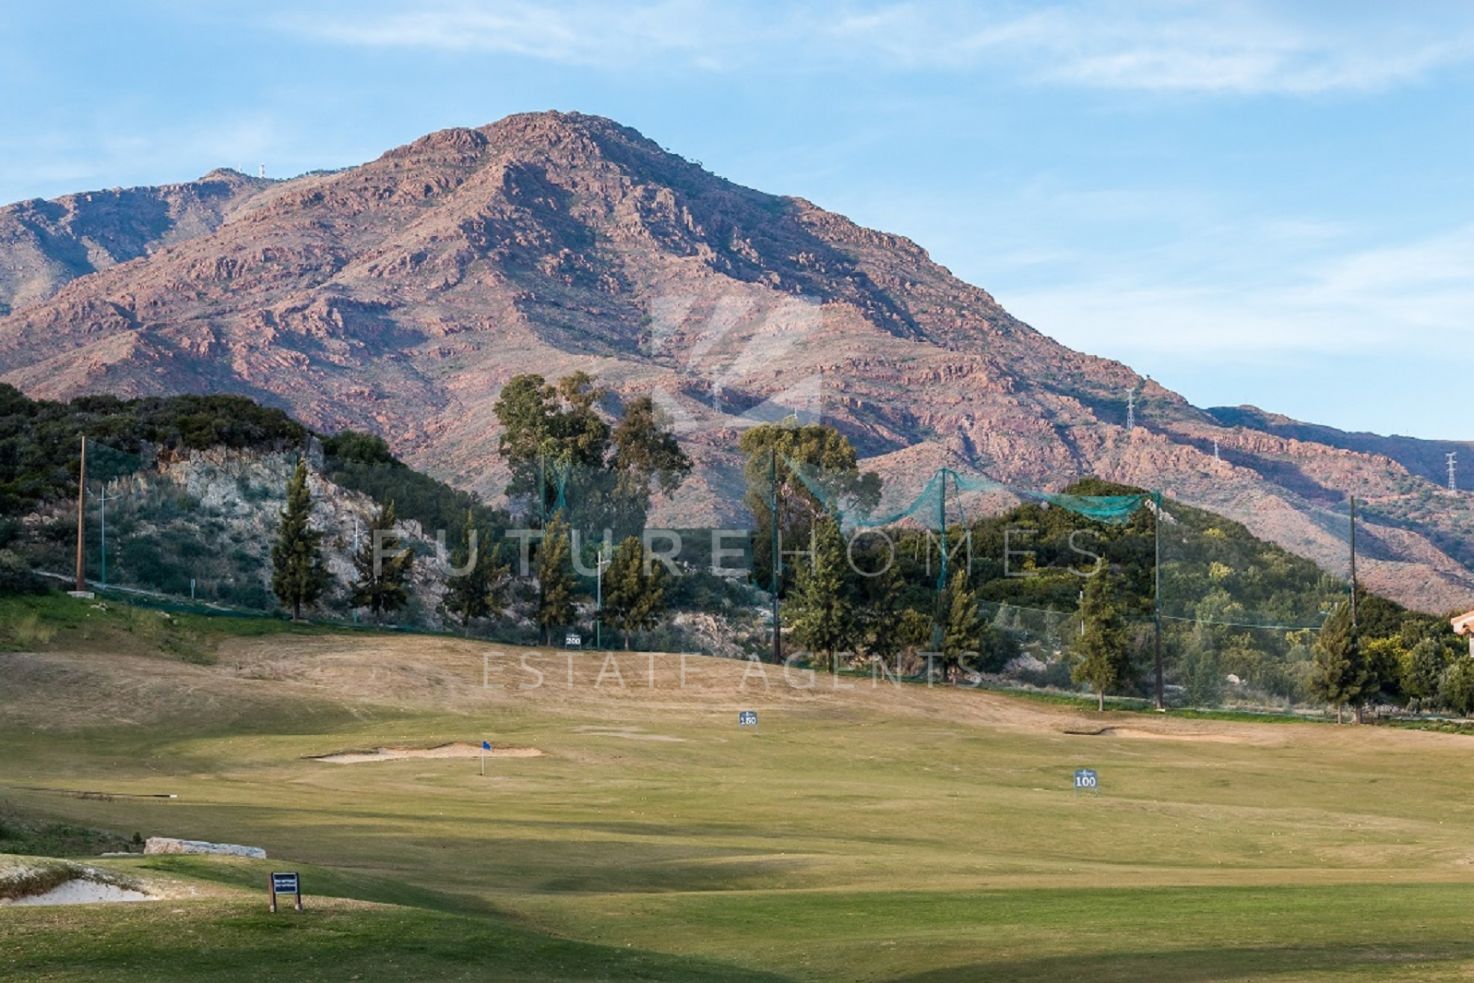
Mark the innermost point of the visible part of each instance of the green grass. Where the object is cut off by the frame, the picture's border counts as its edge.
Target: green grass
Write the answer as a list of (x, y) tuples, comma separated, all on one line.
[(21, 834), (867, 834), (56, 621)]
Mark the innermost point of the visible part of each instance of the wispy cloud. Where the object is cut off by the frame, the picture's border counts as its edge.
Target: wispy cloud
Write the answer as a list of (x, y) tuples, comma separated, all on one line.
[(1153, 45), (1416, 297), (64, 161), (575, 32)]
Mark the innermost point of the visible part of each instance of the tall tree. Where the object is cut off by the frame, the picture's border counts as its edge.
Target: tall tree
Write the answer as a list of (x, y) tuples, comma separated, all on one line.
[(634, 590), (480, 590), (1102, 653), (828, 462), (1456, 691), (820, 608), (298, 576), (1340, 674), (1422, 671), (383, 567), (555, 584), (962, 625), (880, 603), (645, 455), (549, 432)]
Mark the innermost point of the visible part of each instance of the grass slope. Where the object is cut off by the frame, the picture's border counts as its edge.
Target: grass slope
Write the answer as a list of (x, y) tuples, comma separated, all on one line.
[(864, 833)]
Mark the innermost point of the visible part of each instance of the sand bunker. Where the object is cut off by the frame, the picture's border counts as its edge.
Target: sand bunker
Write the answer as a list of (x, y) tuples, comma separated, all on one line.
[(79, 891), (454, 750), (1152, 735)]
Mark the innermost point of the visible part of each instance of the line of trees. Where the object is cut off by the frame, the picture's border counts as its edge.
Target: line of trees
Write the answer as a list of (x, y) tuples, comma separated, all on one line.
[(1098, 627), (576, 478)]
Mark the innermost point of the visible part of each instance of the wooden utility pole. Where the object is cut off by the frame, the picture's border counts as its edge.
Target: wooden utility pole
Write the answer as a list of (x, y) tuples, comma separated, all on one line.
[(1157, 600), (1353, 568), (776, 560), (82, 518)]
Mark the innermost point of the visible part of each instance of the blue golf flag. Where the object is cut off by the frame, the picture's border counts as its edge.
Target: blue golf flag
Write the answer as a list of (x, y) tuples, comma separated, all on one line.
[(486, 745)]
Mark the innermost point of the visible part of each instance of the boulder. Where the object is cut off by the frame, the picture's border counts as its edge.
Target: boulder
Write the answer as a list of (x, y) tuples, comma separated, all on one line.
[(170, 844)]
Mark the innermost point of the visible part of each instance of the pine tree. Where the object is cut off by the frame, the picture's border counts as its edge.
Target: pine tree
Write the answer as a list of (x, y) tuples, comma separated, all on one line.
[(298, 576), (634, 598), (879, 611), (1102, 655), (963, 625), (1340, 674), (821, 609), (383, 568), (555, 583), (480, 591)]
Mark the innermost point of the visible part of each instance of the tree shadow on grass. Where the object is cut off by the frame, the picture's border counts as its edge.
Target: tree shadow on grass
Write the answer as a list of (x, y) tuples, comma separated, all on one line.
[(239, 940), (1394, 960)]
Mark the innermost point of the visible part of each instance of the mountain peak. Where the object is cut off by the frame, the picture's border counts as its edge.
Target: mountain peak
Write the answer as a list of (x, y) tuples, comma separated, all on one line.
[(400, 295)]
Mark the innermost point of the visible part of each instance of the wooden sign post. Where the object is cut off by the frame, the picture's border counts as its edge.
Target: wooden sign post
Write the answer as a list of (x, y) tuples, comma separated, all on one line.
[(285, 883)]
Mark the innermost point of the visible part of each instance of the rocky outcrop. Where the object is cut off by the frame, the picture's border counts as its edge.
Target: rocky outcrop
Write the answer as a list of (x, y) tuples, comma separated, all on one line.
[(168, 844)]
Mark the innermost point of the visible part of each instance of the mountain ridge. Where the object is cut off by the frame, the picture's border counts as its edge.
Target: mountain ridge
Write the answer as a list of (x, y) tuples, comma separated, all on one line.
[(397, 297)]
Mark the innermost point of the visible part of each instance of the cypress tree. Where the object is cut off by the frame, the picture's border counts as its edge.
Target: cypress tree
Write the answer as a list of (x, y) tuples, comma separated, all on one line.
[(1340, 674), (555, 583), (1102, 656), (298, 576), (383, 572), (960, 634), (479, 591), (634, 598), (820, 609)]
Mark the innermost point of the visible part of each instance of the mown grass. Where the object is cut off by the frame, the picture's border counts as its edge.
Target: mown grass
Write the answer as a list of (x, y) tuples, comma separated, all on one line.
[(896, 834)]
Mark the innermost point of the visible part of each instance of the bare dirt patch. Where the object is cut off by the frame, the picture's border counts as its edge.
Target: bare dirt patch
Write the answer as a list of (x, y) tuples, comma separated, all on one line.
[(627, 733), (451, 750), (1138, 733)]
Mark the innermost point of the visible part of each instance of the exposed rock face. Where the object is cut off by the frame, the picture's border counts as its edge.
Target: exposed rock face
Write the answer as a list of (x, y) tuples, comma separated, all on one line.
[(45, 244), (234, 499), (398, 296)]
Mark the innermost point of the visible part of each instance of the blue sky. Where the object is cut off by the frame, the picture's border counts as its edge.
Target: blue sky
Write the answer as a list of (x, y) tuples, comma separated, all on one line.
[(1253, 202)]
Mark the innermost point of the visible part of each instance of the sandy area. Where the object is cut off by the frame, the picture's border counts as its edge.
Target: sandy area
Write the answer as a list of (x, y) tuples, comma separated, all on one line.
[(453, 750), (79, 891)]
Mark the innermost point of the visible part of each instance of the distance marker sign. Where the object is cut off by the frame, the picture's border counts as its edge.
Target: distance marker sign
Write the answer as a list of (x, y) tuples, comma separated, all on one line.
[(285, 882), (1087, 780), (747, 718)]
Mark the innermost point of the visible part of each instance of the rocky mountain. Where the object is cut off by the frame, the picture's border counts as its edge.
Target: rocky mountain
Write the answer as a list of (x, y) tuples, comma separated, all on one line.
[(398, 296), (46, 244)]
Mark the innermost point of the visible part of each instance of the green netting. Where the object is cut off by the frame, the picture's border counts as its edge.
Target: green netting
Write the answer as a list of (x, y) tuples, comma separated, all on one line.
[(1267, 563), (945, 498)]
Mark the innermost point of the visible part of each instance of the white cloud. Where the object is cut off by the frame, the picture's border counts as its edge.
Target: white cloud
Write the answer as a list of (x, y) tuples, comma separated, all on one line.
[(577, 32), (1417, 297), (1153, 45)]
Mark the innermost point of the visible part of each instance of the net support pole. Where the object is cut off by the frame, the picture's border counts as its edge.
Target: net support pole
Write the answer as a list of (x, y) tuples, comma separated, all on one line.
[(776, 546), (939, 631), (1157, 598), (1353, 568), (82, 518)]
